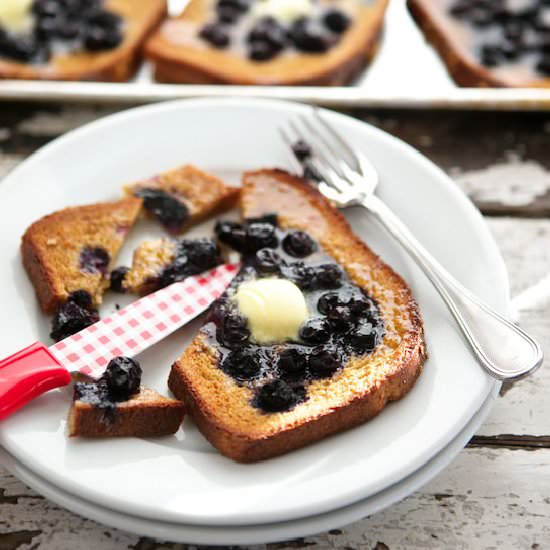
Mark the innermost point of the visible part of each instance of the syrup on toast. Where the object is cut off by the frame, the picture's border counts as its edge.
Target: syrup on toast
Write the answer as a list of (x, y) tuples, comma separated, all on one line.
[(226, 409)]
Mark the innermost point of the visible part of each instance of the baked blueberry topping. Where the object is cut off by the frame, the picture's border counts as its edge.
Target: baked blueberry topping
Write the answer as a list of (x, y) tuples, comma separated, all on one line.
[(315, 331), (345, 321), (83, 298), (71, 318), (242, 365), (337, 21), (292, 363), (267, 39), (324, 362), (117, 278), (123, 378), (508, 31), (216, 34), (269, 261), (74, 24), (234, 330), (168, 210), (94, 259), (299, 244), (309, 36), (278, 396)]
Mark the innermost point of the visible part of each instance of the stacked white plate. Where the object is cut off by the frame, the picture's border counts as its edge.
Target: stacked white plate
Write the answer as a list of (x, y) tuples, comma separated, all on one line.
[(179, 487)]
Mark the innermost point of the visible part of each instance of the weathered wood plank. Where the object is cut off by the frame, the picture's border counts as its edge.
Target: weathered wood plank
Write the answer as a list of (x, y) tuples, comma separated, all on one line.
[(486, 499)]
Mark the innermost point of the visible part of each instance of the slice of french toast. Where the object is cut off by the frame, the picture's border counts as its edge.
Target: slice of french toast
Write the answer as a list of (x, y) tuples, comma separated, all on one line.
[(360, 346), (488, 44), (183, 197), (74, 249), (209, 44), (75, 52)]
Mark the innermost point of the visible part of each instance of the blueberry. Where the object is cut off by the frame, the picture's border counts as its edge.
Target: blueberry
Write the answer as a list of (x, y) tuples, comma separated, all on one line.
[(102, 38), (490, 55), (315, 331), (309, 36), (300, 274), (292, 362), (19, 48), (364, 338), (231, 234), (103, 18), (69, 30), (228, 14), (123, 378), (340, 319), (216, 35), (94, 393), (168, 210), (46, 7), (242, 365), (271, 219), (543, 65), (234, 330), (336, 21), (262, 51), (299, 244), (328, 276), (302, 150), (240, 5), (117, 278), (260, 235), (328, 301), (83, 298), (278, 396), (324, 362), (94, 259), (71, 318), (202, 254), (268, 261)]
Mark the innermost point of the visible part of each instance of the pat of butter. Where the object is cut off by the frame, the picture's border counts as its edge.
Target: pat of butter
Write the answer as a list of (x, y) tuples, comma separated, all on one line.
[(286, 11), (275, 309), (15, 15)]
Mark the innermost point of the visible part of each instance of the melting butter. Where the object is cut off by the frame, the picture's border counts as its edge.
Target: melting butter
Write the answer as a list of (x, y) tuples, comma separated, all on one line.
[(286, 11), (275, 309), (15, 15)]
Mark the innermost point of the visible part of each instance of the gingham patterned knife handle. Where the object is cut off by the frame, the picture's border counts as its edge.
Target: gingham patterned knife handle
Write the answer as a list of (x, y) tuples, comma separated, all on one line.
[(143, 323)]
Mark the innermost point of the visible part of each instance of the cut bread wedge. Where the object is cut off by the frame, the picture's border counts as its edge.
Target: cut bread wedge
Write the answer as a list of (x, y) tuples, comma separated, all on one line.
[(178, 55), (146, 414), (140, 18), (74, 249), (189, 196), (223, 409), (458, 43)]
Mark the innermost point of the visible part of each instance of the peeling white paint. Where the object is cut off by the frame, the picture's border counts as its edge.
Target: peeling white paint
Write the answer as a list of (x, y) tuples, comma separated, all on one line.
[(514, 183)]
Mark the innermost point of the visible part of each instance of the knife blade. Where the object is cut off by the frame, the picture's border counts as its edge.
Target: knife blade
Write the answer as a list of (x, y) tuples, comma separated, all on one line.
[(37, 368)]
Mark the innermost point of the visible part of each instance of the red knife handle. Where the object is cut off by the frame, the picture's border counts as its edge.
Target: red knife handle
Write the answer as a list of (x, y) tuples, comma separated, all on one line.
[(27, 374)]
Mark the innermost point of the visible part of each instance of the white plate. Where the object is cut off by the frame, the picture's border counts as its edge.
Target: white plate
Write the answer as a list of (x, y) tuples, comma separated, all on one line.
[(255, 534), (181, 478)]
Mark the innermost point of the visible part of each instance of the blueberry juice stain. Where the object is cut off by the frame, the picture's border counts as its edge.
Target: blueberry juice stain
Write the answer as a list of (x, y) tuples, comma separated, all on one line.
[(343, 321)]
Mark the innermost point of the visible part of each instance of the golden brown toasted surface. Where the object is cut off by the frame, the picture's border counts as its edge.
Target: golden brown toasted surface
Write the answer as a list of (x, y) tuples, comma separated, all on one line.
[(117, 65), (455, 43), (179, 56), (51, 248), (222, 409), (146, 414), (203, 194), (149, 259)]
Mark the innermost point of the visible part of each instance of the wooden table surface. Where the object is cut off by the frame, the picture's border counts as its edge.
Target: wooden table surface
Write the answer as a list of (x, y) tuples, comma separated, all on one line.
[(496, 493)]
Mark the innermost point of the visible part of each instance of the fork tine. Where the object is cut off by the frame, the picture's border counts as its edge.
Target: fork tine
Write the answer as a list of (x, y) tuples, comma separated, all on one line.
[(294, 163)]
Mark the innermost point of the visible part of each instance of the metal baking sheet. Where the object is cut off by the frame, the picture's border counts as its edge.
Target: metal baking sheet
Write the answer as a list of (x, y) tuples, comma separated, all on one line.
[(406, 73)]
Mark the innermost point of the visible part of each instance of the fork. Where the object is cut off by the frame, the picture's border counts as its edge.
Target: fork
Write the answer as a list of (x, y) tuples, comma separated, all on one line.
[(346, 177)]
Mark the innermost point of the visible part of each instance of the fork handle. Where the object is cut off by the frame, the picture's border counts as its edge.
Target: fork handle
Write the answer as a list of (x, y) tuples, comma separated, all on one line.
[(504, 350)]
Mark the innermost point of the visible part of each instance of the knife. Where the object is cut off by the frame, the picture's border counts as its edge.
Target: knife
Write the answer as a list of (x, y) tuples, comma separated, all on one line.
[(37, 368)]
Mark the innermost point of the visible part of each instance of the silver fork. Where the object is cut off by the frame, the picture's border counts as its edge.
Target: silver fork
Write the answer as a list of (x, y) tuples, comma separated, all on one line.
[(349, 179)]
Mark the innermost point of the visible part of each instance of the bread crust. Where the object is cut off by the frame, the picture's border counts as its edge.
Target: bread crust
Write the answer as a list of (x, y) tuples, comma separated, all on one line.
[(50, 246), (350, 398), (117, 65), (148, 414), (463, 67), (203, 65)]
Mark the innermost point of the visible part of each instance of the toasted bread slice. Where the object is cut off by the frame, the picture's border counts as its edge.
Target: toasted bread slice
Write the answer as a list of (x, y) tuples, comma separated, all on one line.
[(116, 65), (222, 409), (146, 414), (196, 193), (458, 44), (178, 56), (74, 249)]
